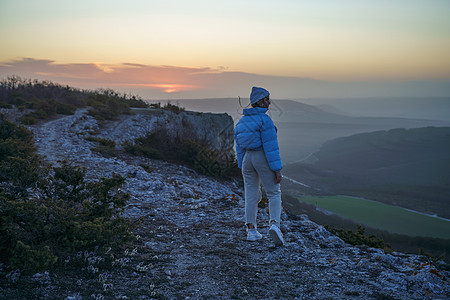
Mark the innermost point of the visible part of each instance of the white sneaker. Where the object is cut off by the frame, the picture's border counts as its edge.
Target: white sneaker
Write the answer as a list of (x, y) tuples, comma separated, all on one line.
[(253, 235), (276, 235)]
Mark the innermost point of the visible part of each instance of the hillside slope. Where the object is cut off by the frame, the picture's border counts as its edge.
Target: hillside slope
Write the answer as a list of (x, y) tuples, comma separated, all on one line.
[(191, 242), (414, 156), (407, 166)]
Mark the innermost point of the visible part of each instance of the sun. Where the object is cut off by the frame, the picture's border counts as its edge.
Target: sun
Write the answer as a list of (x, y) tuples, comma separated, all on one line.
[(167, 87)]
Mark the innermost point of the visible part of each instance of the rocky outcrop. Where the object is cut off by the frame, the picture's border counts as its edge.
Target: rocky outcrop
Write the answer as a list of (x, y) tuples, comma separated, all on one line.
[(190, 243), (212, 130)]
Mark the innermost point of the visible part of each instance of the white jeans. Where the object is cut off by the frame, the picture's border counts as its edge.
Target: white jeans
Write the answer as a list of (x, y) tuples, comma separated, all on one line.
[(255, 169)]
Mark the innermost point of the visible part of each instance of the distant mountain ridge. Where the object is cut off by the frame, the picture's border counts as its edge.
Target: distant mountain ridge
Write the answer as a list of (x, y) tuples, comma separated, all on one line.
[(431, 108)]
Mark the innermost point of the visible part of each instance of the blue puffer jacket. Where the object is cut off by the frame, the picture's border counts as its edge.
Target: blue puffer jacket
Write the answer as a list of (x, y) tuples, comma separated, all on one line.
[(256, 131)]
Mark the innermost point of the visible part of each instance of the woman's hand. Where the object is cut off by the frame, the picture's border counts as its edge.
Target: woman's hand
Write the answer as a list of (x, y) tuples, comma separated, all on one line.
[(278, 177)]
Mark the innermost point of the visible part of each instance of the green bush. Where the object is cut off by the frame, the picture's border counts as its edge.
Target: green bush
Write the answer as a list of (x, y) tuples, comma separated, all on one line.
[(17, 100), (19, 164), (105, 147), (47, 213), (101, 141), (14, 140), (65, 109), (199, 156), (34, 94), (105, 151), (107, 105), (25, 258), (137, 102), (34, 117), (6, 105), (358, 237), (29, 120), (47, 107), (68, 215), (173, 108), (155, 105), (146, 168), (142, 150)]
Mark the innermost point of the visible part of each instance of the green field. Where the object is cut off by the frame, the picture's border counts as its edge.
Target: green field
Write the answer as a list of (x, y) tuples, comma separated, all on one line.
[(382, 216)]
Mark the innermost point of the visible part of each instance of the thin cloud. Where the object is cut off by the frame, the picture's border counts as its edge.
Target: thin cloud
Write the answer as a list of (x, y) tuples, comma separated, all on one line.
[(158, 82), (166, 78)]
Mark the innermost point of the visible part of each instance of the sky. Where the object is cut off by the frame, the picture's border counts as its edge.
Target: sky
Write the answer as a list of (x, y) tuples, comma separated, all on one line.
[(195, 49)]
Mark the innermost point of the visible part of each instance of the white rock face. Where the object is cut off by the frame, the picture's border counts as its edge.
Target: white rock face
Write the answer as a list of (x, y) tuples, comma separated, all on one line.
[(201, 232)]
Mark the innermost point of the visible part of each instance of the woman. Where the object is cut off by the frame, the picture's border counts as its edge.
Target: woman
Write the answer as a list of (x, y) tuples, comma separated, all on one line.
[(259, 159)]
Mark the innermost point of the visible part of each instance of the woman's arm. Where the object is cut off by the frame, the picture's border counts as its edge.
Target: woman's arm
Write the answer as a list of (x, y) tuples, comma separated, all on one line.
[(270, 144)]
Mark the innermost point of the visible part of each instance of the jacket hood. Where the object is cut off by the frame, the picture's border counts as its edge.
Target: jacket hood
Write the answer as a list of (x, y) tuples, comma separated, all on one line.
[(255, 111)]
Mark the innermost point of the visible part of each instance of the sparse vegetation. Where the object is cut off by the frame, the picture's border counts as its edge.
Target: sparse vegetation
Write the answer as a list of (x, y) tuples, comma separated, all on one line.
[(147, 168), (102, 141), (173, 108), (105, 147), (141, 148), (160, 144), (107, 105), (358, 237), (155, 105), (48, 213), (46, 99)]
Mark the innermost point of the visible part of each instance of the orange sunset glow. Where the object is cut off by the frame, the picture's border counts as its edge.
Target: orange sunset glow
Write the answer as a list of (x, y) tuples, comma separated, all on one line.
[(166, 87), (211, 49)]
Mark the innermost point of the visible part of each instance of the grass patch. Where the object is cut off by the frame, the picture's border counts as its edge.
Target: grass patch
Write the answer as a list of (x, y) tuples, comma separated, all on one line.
[(382, 216), (140, 149), (105, 147), (101, 141)]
